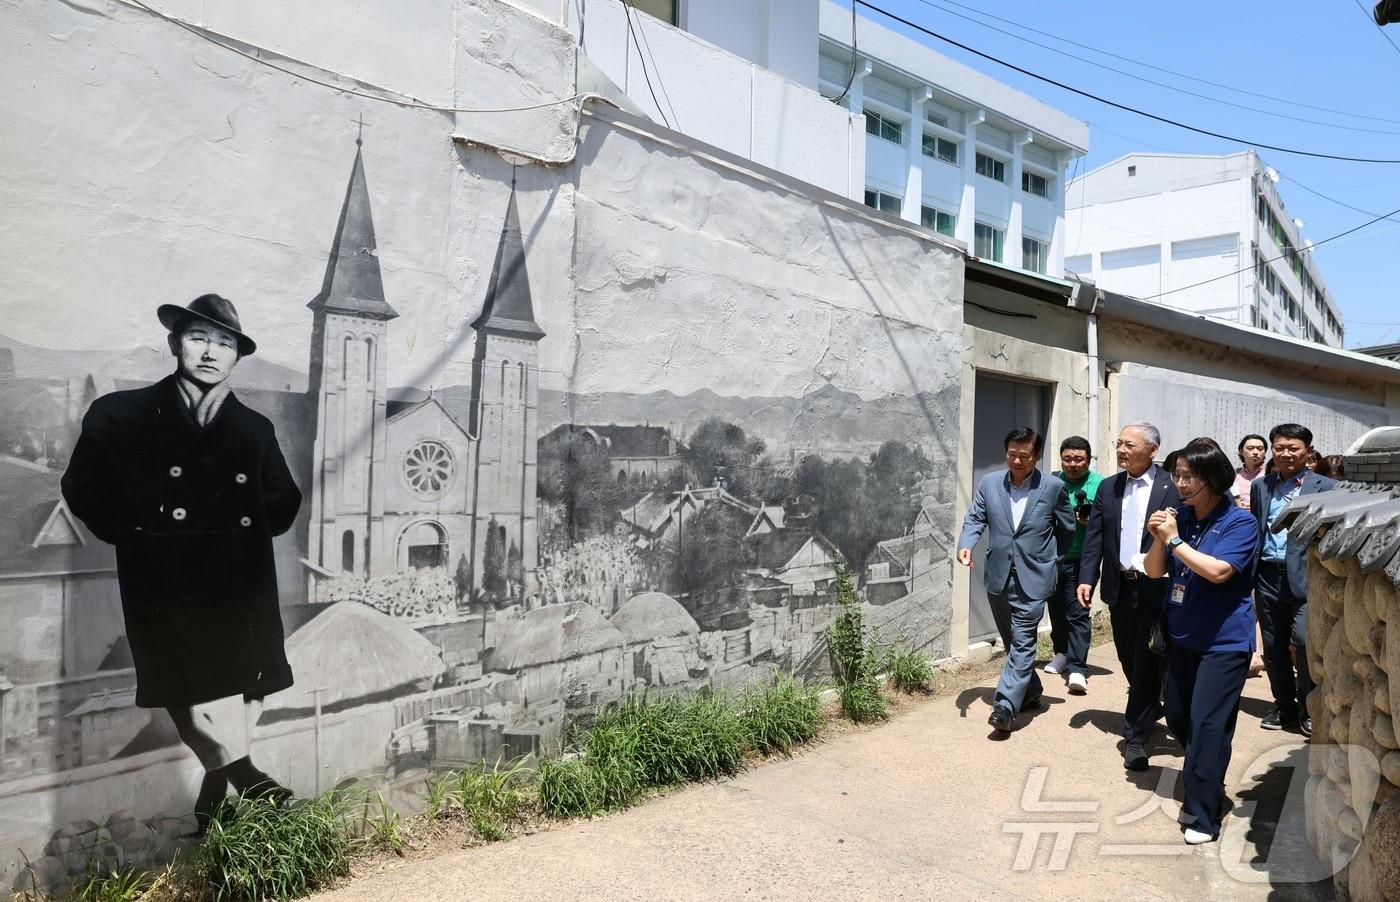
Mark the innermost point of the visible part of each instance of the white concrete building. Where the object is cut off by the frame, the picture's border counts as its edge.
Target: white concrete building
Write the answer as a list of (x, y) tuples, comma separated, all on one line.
[(917, 134), (1206, 234), (951, 147)]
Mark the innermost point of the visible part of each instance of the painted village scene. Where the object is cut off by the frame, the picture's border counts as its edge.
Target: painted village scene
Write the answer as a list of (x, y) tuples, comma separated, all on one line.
[(474, 567)]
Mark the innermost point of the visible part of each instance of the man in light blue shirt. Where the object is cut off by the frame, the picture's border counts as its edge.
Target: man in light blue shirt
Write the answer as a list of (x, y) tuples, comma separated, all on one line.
[(1281, 580)]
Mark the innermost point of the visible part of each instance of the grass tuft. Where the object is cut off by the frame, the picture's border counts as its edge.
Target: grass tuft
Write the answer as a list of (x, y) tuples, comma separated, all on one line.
[(255, 850), (571, 787), (863, 701), (776, 718), (493, 799), (384, 827), (910, 671)]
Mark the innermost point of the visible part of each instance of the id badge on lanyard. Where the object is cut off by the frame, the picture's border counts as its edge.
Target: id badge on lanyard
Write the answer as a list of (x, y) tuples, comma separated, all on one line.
[(1178, 594)]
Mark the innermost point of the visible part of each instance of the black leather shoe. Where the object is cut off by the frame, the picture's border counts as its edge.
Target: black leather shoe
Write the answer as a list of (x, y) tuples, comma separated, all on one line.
[(1275, 720), (1305, 725), (1000, 720), (1134, 756)]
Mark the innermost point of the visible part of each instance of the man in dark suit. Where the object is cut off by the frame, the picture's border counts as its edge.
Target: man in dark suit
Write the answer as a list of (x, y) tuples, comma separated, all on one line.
[(191, 486), (1029, 525), (1116, 542), (1281, 579)]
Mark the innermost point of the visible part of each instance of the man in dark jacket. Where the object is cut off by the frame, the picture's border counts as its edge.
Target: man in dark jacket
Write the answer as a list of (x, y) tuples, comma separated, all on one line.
[(190, 486), (1281, 580), (1115, 545)]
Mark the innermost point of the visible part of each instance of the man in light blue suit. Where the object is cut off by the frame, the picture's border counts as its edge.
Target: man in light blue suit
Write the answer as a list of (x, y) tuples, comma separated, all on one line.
[(1029, 524)]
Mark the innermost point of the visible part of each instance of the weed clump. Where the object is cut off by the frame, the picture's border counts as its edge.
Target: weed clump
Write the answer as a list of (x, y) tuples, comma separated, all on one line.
[(255, 850), (778, 717), (910, 671), (856, 655)]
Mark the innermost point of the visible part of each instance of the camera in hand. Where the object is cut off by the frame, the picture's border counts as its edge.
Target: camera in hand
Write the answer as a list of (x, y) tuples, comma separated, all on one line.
[(1082, 504)]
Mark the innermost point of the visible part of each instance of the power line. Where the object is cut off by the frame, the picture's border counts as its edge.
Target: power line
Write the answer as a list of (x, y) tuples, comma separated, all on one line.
[(627, 11), (396, 101), (1379, 28), (1115, 104), (1160, 84), (642, 33), (1316, 244), (854, 59)]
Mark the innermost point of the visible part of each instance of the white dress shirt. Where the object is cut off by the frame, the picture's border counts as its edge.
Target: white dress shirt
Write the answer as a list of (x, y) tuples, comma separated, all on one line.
[(1019, 495), (1136, 493)]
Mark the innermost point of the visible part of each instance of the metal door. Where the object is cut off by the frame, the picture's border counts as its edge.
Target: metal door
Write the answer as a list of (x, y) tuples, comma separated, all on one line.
[(1001, 405)]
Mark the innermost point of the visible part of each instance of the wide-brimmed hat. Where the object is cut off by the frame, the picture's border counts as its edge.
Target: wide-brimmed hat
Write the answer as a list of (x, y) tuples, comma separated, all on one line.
[(212, 309)]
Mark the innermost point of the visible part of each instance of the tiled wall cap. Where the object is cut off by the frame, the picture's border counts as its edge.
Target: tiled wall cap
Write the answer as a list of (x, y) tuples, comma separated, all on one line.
[(1378, 440)]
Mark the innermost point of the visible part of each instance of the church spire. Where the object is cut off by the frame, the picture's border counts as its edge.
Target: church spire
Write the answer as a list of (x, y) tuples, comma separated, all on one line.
[(509, 309), (353, 284)]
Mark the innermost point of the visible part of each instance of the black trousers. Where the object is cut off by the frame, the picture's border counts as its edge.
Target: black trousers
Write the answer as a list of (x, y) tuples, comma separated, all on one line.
[(1069, 621), (1283, 620), (1202, 694), (1132, 616)]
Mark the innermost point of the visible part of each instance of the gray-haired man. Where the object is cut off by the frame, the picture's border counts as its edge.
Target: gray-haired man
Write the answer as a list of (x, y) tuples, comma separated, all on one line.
[(1116, 541)]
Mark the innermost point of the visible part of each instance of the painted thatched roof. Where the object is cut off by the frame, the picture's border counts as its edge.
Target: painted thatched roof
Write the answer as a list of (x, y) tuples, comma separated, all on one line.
[(653, 615), (355, 652), (555, 632)]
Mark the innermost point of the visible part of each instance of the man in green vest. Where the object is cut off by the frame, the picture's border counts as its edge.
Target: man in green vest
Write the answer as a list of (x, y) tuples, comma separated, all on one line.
[(1069, 620)]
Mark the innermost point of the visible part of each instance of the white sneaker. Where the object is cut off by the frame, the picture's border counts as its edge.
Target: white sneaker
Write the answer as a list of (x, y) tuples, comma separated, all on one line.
[(1057, 664), (1077, 684), (1195, 837)]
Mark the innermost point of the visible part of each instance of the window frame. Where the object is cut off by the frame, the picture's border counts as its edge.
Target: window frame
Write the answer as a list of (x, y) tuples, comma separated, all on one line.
[(1027, 175), (881, 196), (938, 215), (938, 142), (998, 240), (881, 122), (1042, 254), (998, 165)]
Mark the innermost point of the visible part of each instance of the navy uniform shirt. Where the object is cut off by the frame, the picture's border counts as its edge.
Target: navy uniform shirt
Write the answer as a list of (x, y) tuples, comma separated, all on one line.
[(1207, 616)]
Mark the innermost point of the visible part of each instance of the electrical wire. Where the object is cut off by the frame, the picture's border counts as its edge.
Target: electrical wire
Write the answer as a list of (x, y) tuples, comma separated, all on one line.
[(403, 101), (627, 11), (1160, 84), (1115, 104), (642, 33), (1370, 18), (854, 59), (1243, 269)]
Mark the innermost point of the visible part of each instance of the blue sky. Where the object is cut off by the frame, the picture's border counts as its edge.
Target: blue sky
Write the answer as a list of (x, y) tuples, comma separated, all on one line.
[(1326, 59)]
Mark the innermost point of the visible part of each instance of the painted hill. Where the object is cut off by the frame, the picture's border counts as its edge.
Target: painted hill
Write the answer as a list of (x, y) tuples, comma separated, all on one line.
[(142, 364)]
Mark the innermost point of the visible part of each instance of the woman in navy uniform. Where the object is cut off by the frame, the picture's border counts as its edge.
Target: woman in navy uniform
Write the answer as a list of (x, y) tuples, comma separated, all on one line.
[(1207, 547), (190, 486)]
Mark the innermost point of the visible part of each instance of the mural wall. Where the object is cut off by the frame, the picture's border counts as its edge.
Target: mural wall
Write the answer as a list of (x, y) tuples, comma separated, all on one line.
[(561, 432)]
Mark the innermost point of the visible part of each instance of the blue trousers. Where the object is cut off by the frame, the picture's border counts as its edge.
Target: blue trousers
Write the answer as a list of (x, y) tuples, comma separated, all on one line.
[(1202, 699), (1069, 621), (1018, 620)]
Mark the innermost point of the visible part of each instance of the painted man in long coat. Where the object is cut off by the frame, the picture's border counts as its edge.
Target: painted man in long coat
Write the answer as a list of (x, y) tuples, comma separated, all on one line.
[(190, 486)]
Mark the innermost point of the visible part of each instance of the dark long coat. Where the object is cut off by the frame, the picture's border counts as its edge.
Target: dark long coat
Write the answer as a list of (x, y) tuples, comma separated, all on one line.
[(192, 512)]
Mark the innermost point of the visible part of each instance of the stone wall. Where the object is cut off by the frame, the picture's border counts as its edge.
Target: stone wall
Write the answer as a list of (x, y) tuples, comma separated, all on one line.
[(1353, 789)]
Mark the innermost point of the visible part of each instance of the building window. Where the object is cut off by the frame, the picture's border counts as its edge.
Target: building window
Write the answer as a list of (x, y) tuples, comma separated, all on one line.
[(1033, 255), (428, 467), (884, 127), (885, 203), (1132, 171), (987, 242), (347, 551), (991, 167), (667, 11), (1038, 185), (941, 149), (940, 222)]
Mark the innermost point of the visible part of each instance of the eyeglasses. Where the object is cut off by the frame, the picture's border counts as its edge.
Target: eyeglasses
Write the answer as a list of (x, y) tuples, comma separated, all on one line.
[(1183, 478)]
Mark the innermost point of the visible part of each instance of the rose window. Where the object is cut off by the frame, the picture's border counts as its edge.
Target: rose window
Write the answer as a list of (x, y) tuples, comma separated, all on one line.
[(428, 468)]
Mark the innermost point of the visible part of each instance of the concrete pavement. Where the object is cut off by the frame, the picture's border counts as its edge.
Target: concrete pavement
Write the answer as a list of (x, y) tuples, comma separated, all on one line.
[(924, 807)]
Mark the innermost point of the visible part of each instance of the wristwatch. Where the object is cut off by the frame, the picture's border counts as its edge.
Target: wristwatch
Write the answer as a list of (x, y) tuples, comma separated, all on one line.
[(1174, 543)]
